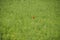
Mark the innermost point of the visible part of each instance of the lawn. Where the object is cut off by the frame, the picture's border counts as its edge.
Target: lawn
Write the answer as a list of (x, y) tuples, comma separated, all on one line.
[(29, 20)]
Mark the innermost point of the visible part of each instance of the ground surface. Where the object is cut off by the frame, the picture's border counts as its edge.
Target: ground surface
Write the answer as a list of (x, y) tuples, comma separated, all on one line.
[(29, 20)]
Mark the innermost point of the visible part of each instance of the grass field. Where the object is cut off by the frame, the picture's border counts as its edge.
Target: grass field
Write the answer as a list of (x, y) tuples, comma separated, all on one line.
[(29, 20)]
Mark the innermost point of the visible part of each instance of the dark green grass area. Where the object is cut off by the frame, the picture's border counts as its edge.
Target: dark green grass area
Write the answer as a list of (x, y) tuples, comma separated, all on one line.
[(17, 22)]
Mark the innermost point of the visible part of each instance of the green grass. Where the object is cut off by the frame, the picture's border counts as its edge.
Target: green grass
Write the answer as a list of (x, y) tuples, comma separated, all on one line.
[(16, 22)]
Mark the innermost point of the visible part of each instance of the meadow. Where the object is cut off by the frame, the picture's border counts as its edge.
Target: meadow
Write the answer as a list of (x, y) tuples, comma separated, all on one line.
[(29, 20)]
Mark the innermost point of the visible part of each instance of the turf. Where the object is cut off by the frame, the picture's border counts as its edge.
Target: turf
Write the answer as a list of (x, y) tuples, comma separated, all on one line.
[(29, 20)]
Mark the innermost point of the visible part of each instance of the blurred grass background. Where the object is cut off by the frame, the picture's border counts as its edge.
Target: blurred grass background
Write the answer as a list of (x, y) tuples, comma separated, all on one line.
[(16, 22)]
